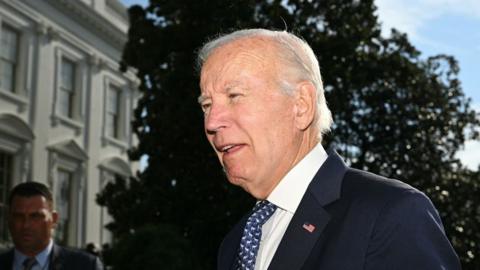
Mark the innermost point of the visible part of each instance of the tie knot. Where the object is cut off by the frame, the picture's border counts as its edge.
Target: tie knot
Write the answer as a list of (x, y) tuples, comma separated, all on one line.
[(262, 212), (28, 263)]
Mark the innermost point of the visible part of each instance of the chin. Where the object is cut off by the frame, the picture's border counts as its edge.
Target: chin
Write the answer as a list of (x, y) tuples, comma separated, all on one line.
[(238, 181), (259, 195), (234, 180)]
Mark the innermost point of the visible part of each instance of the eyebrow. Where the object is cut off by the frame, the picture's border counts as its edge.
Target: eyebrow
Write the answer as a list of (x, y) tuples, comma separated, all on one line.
[(39, 211), (201, 99), (228, 87)]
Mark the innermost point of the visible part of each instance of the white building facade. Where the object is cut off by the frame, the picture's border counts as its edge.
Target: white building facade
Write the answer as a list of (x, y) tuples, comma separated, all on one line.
[(65, 108)]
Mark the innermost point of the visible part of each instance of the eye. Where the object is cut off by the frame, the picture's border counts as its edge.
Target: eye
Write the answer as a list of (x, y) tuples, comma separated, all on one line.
[(37, 216), (205, 106), (234, 95)]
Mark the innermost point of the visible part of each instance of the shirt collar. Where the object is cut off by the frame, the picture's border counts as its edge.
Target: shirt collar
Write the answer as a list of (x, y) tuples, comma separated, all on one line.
[(42, 257), (290, 190)]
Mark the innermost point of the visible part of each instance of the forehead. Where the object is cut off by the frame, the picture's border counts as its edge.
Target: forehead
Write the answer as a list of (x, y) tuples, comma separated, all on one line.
[(229, 62), (30, 203)]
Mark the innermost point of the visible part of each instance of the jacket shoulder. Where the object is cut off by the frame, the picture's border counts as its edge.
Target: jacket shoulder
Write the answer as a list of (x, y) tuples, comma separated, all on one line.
[(375, 196), (72, 257), (368, 187)]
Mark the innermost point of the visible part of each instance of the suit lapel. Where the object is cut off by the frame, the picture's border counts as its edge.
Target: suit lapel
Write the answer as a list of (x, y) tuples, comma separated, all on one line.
[(229, 248), (301, 235), (56, 258), (311, 218)]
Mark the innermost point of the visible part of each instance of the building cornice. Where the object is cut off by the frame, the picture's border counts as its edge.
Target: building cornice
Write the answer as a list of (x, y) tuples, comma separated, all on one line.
[(82, 14), (92, 20)]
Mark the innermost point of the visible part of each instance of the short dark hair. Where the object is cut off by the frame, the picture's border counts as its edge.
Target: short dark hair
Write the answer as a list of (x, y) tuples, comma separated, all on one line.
[(30, 189)]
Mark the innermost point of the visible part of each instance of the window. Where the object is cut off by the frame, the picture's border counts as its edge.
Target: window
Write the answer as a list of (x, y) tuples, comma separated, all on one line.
[(113, 112), (105, 218), (67, 173), (111, 169), (66, 93), (117, 102), (70, 93), (8, 58), (6, 168), (63, 205)]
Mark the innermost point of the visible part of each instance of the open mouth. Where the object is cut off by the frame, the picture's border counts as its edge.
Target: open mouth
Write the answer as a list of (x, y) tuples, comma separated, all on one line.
[(230, 148), (227, 148)]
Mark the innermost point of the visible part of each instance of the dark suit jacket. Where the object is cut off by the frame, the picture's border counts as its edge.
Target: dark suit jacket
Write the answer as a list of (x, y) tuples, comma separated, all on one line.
[(362, 221), (60, 259)]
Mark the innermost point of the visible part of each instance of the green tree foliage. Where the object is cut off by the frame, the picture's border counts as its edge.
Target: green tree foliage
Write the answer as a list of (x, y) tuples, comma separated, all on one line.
[(395, 113)]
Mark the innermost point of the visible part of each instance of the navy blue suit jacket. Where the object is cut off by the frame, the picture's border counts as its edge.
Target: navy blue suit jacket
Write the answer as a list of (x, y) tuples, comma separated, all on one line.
[(362, 221), (61, 258)]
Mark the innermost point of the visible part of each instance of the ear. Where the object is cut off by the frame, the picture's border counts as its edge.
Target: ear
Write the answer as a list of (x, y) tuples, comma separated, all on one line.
[(305, 105), (55, 217)]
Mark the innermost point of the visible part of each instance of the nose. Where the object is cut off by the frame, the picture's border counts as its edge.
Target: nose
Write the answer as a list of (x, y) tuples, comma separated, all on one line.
[(26, 223), (216, 118)]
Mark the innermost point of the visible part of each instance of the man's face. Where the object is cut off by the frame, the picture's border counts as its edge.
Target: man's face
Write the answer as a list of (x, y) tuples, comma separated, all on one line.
[(249, 121), (31, 222)]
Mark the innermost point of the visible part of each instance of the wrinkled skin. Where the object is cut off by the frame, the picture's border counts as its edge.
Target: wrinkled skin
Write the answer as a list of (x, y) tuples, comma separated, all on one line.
[(257, 130)]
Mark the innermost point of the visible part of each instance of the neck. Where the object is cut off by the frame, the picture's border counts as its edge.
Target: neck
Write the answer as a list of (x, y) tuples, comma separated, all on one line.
[(303, 146), (32, 252)]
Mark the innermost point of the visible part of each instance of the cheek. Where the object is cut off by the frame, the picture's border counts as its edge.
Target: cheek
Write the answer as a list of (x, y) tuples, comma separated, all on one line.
[(14, 224), (275, 129), (50, 225), (210, 140)]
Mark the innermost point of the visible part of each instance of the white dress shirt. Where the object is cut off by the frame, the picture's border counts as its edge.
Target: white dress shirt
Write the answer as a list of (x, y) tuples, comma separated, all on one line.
[(42, 259), (287, 196)]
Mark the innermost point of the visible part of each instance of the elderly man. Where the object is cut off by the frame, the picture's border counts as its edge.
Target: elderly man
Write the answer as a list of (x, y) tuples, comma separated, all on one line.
[(265, 113), (31, 222)]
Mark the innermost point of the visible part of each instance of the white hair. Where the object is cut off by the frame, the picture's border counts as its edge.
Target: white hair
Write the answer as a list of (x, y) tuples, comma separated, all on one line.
[(298, 57)]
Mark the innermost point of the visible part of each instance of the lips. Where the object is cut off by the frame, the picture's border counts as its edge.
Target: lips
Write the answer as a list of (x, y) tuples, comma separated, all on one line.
[(27, 236), (229, 148)]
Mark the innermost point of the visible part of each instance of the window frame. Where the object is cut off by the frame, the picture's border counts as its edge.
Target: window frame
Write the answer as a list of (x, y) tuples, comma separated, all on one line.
[(115, 130), (125, 109), (14, 63), (66, 234), (22, 78), (4, 236), (76, 117), (109, 169), (69, 156), (69, 91), (16, 139)]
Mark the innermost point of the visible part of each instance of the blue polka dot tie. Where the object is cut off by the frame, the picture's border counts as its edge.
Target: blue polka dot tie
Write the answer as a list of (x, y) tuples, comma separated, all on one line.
[(252, 234)]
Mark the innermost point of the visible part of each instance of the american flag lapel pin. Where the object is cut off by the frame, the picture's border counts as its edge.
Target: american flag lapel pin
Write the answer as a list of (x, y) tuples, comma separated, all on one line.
[(308, 227)]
